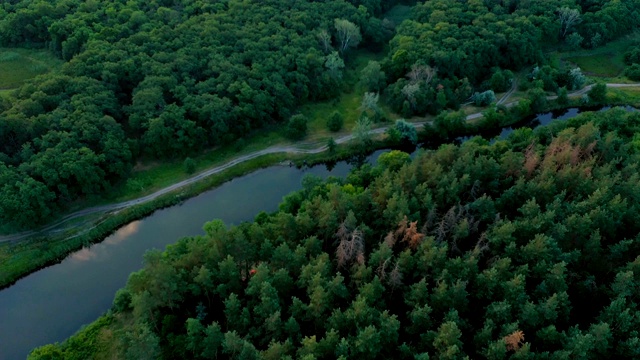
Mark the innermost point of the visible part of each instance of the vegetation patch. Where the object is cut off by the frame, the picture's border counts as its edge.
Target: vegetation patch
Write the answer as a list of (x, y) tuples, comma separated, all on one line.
[(603, 65), (18, 65)]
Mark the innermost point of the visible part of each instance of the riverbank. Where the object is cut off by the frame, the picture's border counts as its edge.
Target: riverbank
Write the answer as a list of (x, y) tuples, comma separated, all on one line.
[(19, 259)]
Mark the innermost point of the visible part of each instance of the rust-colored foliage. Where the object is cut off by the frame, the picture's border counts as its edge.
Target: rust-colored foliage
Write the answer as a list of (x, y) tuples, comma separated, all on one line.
[(531, 160), (412, 236), (514, 340)]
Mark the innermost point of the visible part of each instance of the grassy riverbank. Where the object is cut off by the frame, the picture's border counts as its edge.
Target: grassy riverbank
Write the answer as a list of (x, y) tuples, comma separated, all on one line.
[(19, 259)]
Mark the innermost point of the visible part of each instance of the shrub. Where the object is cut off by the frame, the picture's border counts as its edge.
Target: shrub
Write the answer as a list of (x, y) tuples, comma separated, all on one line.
[(297, 127), (633, 72), (484, 98), (598, 92), (335, 121), (407, 132), (189, 165)]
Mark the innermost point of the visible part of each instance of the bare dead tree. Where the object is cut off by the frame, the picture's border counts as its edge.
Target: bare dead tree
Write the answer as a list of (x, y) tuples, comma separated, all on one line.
[(395, 277), (390, 239), (350, 246), (382, 269), (432, 216), (568, 18), (420, 73)]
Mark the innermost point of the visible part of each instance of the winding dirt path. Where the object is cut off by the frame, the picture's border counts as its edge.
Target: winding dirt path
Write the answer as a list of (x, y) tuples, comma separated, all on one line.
[(271, 150)]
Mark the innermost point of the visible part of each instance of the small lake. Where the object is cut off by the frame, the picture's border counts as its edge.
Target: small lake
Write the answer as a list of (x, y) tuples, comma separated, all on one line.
[(53, 303)]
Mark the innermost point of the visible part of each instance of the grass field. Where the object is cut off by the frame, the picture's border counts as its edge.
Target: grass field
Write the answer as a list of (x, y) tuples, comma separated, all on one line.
[(18, 65), (603, 62)]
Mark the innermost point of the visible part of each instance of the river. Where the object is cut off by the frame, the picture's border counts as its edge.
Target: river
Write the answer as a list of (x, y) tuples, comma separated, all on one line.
[(51, 304)]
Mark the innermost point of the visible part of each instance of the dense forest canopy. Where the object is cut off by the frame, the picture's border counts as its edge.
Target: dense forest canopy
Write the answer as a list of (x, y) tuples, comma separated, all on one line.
[(159, 78), (167, 78), (526, 248)]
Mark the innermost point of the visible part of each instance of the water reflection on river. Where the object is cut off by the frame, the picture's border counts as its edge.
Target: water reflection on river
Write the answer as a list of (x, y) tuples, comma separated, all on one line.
[(51, 304)]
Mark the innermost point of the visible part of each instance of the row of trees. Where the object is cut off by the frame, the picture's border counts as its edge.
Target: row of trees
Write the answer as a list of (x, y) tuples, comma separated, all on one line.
[(160, 79), (473, 251), (462, 43)]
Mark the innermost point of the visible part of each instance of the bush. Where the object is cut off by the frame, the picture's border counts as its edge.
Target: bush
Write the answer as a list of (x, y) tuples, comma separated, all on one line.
[(407, 132), (598, 92), (633, 72), (563, 96), (574, 41), (335, 121), (576, 79), (501, 80), (189, 165), (297, 127), (484, 98), (632, 56)]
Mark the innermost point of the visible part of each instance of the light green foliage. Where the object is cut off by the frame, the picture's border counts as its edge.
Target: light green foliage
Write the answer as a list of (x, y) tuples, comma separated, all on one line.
[(576, 79), (362, 132), (484, 98), (394, 159), (372, 77), (348, 34), (334, 65), (407, 131)]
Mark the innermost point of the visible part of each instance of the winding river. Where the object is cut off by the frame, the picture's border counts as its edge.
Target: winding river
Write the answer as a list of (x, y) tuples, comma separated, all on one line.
[(51, 304)]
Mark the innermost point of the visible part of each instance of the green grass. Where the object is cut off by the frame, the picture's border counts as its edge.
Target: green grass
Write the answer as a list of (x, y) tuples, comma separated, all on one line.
[(18, 65), (605, 62), (348, 103), (600, 65)]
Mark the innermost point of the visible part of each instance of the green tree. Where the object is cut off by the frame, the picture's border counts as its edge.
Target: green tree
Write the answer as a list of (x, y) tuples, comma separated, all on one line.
[(189, 165), (335, 121), (598, 92), (372, 77), (297, 127)]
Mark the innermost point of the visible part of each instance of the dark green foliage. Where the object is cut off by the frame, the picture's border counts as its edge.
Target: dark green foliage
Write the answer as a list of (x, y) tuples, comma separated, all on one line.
[(632, 56), (633, 72), (370, 292), (501, 80), (482, 250), (538, 100), (161, 79), (335, 121), (189, 165), (598, 93), (563, 97), (297, 127)]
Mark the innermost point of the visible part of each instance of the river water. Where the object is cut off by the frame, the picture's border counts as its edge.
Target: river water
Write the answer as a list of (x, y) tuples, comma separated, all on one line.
[(53, 303)]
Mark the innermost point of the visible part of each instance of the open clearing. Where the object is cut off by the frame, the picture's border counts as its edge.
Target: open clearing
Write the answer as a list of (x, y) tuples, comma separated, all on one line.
[(19, 65), (605, 61)]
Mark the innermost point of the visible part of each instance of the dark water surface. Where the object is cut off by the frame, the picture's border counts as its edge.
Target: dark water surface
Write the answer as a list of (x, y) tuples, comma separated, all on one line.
[(51, 304)]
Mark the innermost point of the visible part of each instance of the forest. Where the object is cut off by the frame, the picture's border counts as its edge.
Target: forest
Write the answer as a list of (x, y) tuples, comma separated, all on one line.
[(525, 248), (166, 79)]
